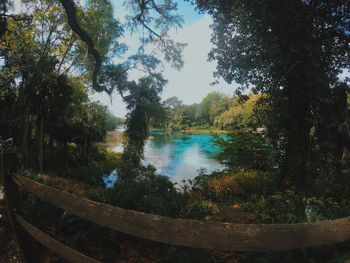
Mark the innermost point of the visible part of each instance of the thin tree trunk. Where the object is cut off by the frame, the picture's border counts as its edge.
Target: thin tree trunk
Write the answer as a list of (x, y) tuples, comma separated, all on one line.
[(41, 143), (51, 145), (65, 153), (26, 132), (65, 54), (87, 152)]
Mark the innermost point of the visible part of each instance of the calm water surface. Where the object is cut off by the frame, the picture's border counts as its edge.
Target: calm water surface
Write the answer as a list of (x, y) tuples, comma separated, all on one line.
[(180, 155)]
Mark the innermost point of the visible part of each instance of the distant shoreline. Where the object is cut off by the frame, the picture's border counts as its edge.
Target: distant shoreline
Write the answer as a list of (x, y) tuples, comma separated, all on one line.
[(115, 138), (195, 131)]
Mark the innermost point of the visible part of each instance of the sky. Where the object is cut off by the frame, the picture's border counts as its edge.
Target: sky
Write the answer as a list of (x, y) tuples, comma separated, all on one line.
[(192, 83)]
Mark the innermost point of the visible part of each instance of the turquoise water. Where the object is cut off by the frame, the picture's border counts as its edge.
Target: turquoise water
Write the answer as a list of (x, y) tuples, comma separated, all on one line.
[(180, 155)]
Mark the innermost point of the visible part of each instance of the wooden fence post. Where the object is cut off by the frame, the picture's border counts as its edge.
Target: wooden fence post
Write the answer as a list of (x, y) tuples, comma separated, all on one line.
[(11, 193)]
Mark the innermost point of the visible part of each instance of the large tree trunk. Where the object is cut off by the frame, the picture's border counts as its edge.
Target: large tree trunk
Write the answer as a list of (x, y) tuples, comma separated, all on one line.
[(298, 137), (41, 143)]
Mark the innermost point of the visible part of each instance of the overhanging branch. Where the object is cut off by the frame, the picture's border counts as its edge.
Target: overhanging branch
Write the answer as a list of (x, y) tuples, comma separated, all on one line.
[(70, 9)]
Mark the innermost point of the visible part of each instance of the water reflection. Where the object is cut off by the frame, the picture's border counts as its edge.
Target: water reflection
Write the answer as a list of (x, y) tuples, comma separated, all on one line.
[(180, 155)]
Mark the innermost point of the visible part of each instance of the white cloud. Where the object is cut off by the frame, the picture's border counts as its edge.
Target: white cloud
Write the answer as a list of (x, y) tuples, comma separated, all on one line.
[(192, 83)]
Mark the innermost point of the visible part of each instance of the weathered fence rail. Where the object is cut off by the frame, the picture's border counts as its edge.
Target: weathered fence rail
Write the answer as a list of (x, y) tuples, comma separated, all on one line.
[(175, 231), (54, 245)]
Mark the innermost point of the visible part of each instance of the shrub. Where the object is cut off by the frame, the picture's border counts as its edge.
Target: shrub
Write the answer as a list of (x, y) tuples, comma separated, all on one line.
[(282, 207), (247, 150), (237, 184), (199, 210), (148, 192), (222, 188), (104, 163)]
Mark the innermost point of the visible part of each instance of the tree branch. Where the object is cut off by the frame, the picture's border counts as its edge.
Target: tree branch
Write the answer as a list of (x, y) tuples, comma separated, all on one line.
[(70, 9), (18, 17), (65, 54)]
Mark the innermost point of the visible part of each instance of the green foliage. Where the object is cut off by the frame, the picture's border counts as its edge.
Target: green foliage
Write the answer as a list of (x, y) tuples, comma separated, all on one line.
[(207, 107), (42, 107), (247, 183), (293, 52), (159, 16), (147, 192), (112, 122), (239, 115), (214, 111), (143, 104), (199, 210), (322, 208), (101, 163), (37, 210), (285, 207), (96, 17), (248, 150), (231, 186), (292, 207)]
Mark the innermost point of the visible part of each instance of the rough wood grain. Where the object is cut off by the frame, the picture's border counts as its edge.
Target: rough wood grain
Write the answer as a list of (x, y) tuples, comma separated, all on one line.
[(54, 245), (194, 233)]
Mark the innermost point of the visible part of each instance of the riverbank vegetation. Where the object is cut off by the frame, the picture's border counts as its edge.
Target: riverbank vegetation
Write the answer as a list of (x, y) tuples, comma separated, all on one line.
[(285, 151), (215, 112)]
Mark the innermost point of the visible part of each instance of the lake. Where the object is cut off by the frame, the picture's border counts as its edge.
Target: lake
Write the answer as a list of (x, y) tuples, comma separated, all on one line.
[(180, 155)]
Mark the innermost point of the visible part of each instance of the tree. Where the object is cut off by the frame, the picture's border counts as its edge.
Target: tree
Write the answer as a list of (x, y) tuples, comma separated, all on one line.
[(112, 122), (203, 111), (5, 5), (40, 53), (3, 18), (172, 103), (143, 103), (291, 50), (47, 108), (239, 115), (174, 110), (218, 107), (48, 50)]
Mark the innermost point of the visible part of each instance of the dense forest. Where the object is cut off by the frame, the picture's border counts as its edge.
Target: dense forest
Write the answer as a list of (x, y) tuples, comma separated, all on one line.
[(215, 111), (285, 153)]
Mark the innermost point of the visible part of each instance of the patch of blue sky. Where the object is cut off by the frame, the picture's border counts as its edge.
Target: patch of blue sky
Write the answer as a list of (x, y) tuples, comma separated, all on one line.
[(184, 9), (188, 12)]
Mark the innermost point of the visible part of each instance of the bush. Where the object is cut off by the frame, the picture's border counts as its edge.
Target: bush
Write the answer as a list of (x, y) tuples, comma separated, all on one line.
[(282, 207), (199, 210), (291, 207), (92, 175), (247, 150), (222, 188), (317, 209), (228, 186), (148, 192)]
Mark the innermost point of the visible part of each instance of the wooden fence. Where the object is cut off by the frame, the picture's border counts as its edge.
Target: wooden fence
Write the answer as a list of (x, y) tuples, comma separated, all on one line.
[(174, 231)]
